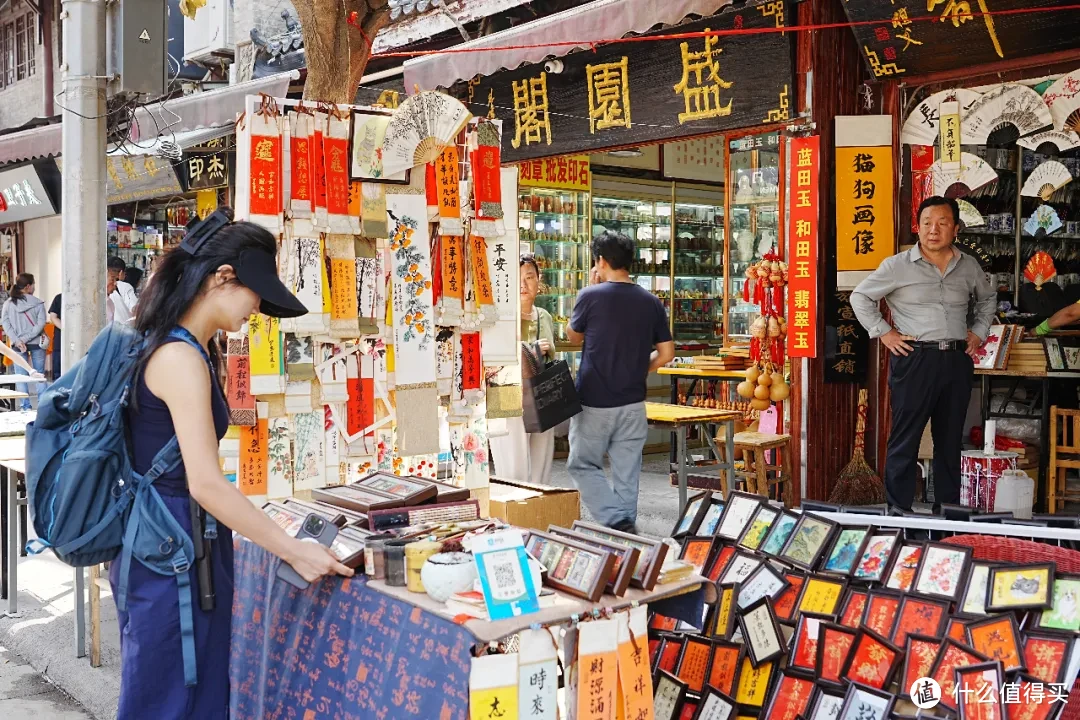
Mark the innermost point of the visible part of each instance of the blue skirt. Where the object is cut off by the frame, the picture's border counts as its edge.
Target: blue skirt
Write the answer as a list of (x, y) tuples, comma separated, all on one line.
[(151, 659)]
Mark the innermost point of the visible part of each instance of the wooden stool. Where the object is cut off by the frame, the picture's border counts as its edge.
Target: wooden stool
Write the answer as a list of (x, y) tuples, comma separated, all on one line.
[(1064, 456), (761, 475)]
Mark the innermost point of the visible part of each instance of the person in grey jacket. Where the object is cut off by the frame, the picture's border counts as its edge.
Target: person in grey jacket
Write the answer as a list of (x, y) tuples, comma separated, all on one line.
[(23, 318)]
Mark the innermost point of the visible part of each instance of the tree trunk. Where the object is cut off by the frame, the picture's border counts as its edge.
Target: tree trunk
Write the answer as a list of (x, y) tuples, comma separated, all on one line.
[(337, 51)]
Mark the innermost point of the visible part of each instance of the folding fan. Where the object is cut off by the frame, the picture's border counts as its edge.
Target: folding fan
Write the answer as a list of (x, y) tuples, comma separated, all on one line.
[(969, 215), (1040, 269), (974, 173), (1062, 139), (1063, 99), (1006, 104), (921, 126), (1044, 218), (1046, 179), (420, 129)]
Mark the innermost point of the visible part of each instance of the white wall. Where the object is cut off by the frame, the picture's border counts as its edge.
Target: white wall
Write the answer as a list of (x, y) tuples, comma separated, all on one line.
[(43, 256)]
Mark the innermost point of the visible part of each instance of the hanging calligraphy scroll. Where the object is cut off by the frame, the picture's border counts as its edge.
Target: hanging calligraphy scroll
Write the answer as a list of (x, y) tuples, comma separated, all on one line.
[(309, 268), (319, 165), (803, 252), (259, 142), (238, 382), (431, 191), (864, 196), (538, 674), (279, 455), (299, 357), (635, 698), (472, 370), (444, 361), (344, 303), (501, 341), (452, 258), (254, 458), (298, 396), (309, 434), (370, 286), (332, 450), (333, 376), (302, 179), (373, 210), (267, 368), (493, 687), (922, 180), (449, 191), (485, 299), (598, 643), (414, 327), (487, 192), (336, 169)]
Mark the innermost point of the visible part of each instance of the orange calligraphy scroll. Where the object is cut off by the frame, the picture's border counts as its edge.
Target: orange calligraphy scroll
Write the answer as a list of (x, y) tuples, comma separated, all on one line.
[(254, 447), (453, 266), (481, 278), (446, 168), (635, 684), (803, 253), (597, 670), (343, 300)]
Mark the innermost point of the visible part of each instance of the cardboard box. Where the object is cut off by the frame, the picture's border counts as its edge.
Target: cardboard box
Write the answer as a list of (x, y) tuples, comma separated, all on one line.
[(533, 506)]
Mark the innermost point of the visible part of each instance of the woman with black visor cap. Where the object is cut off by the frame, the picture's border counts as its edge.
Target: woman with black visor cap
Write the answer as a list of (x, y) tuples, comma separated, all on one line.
[(222, 274)]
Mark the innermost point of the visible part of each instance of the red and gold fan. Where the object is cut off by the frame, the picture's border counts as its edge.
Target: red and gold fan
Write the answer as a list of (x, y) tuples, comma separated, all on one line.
[(1040, 269)]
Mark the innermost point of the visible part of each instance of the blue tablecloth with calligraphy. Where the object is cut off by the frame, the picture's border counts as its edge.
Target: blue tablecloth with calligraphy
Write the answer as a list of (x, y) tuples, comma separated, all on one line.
[(345, 651)]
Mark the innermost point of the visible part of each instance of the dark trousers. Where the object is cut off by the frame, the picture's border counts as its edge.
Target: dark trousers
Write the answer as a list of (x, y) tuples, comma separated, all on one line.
[(935, 385)]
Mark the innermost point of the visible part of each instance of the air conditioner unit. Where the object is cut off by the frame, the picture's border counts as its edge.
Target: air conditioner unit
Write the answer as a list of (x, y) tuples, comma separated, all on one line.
[(209, 37)]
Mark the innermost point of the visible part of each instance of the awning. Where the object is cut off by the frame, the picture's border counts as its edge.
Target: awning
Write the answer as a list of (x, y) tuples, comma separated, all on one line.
[(210, 109), (182, 140), (583, 26)]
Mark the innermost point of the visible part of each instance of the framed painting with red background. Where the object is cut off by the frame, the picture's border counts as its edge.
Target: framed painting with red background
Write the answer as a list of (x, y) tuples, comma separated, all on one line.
[(997, 638), (790, 698), (952, 655), (882, 612), (901, 573), (853, 608), (727, 658), (872, 661), (693, 665), (1046, 656), (784, 605), (834, 646), (920, 616), (802, 656), (978, 693), (919, 656)]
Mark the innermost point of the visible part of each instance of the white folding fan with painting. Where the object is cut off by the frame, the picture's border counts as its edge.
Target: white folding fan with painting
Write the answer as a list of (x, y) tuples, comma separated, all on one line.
[(974, 173), (1063, 99), (420, 129), (1008, 104), (969, 215), (1061, 139), (921, 126), (1046, 179)]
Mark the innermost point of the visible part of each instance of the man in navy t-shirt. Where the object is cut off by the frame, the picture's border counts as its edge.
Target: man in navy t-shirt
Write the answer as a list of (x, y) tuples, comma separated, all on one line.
[(625, 333)]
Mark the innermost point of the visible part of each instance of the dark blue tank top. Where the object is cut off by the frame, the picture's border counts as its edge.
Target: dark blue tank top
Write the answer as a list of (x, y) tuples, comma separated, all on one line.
[(152, 427)]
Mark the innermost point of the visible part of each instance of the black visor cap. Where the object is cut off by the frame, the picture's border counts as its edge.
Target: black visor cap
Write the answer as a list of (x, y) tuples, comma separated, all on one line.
[(257, 270)]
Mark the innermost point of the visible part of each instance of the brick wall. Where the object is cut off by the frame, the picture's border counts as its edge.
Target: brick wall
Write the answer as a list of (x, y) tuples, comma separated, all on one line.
[(23, 101)]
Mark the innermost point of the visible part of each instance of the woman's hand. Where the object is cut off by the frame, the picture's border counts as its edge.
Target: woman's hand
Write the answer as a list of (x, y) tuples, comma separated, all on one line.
[(545, 346), (37, 375), (312, 561)]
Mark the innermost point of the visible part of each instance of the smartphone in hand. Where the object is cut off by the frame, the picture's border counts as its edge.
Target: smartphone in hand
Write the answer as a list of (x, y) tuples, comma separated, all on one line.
[(315, 529)]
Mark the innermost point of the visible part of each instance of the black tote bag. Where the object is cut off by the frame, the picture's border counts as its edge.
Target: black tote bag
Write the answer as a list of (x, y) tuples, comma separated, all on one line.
[(548, 395)]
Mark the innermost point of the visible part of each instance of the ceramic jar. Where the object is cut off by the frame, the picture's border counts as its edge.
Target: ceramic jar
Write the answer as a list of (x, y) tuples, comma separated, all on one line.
[(448, 573)]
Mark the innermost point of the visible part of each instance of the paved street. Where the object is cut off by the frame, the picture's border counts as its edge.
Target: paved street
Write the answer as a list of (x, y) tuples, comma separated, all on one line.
[(26, 694)]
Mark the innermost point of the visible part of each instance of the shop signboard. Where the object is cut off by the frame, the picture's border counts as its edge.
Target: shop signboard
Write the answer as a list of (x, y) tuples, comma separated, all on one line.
[(635, 93), (137, 177), (207, 166), (847, 344), (23, 195), (802, 310), (865, 218), (904, 38), (557, 173)]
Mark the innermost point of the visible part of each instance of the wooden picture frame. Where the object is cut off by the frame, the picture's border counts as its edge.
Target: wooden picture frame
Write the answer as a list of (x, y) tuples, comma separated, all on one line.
[(691, 515), (758, 528), (784, 604), (858, 695), (967, 681), (920, 651), (846, 549), (697, 551), (853, 607), (662, 623), (741, 566), (722, 622), (667, 658), (1046, 656), (820, 595), (1063, 615), (905, 566), (1048, 707), (1055, 359), (408, 516), (998, 637), (805, 643), (625, 558), (349, 546), (826, 705), (572, 567), (668, 695), (761, 632), (956, 629), (942, 571), (790, 696), (352, 517), (739, 509), (710, 520), (754, 682), (693, 665), (288, 519), (808, 541), (718, 563), (882, 612), (765, 582), (715, 705), (449, 493), (651, 553), (409, 490), (833, 648), (876, 556), (360, 499), (972, 601), (919, 616), (951, 655), (724, 664), (331, 514), (1037, 581), (872, 661), (779, 533)]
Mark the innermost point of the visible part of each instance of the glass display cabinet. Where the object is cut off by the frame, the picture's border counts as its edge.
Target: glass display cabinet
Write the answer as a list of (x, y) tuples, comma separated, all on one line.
[(699, 267), (648, 223), (753, 222), (555, 228)]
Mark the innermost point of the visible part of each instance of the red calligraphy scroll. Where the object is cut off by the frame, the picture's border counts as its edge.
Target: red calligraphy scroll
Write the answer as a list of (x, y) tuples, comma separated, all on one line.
[(336, 174), (922, 180), (360, 409), (266, 196), (472, 370), (803, 249), (432, 188), (453, 266), (320, 170), (302, 178)]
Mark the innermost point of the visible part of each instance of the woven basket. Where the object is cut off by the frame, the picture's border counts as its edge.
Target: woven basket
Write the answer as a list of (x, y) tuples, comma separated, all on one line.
[(995, 548)]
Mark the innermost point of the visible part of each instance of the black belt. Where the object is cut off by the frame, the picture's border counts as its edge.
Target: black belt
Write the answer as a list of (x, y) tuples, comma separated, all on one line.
[(938, 345)]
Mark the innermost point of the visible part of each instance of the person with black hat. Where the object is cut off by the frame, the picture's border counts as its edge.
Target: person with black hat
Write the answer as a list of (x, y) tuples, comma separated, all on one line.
[(222, 274)]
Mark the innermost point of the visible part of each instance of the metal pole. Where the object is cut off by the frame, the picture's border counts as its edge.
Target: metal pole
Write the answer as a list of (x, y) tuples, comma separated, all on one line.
[(83, 208)]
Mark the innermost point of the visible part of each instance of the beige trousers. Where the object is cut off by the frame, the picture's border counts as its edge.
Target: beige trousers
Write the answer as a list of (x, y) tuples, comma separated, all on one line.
[(519, 455)]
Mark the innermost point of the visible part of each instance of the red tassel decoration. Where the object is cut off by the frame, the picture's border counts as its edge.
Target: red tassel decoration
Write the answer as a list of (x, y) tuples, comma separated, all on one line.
[(746, 291)]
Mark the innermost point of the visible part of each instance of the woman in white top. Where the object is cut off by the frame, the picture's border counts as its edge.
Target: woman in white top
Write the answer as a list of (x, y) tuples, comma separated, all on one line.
[(519, 455)]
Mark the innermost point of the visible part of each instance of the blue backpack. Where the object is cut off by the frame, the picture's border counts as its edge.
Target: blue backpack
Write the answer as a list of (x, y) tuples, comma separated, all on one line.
[(87, 503)]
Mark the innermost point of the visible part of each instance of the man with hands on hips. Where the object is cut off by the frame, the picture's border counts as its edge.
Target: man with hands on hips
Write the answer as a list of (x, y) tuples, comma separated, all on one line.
[(942, 306)]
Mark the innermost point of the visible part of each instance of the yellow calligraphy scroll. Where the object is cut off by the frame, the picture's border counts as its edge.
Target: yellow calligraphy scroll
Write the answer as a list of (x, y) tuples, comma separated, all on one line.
[(264, 336), (343, 290), (493, 687), (865, 223), (597, 670), (635, 684), (254, 448), (205, 203), (327, 304)]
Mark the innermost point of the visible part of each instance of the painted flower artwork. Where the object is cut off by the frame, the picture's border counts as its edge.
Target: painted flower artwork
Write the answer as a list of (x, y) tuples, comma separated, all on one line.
[(875, 557), (941, 572), (413, 313), (844, 552)]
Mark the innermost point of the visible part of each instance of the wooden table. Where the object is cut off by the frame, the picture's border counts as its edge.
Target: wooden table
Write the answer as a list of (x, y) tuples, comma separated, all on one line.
[(694, 375), (678, 418), (10, 397)]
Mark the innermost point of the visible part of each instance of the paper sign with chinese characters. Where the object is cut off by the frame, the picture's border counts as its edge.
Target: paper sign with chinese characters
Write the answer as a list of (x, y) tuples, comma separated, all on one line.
[(803, 251), (949, 130), (560, 173), (597, 670), (254, 450), (864, 207), (493, 687), (538, 675), (635, 683)]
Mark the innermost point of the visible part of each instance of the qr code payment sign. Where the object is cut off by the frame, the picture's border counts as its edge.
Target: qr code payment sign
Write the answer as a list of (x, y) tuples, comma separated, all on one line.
[(504, 574)]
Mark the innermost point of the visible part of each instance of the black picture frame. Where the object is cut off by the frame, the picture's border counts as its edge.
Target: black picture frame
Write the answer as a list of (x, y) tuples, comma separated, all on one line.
[(779, 533), (993, 605), (969, 588), (663, 676), (710, 519), (824, 699), (1067, 640), (903, 689), (738, 561), (691, 515), (712, 695), (898, 557), (1017, 638), (808, 561), (819, 661), (909, 599), (925, 567), (780, 583), (1038, 619), (898, 597), (760, 655), (959, 673), (801, 633), (763, 508), (851, 696), (877, 575), (871, 636), (739, 510), (715, 616), (847, 569)]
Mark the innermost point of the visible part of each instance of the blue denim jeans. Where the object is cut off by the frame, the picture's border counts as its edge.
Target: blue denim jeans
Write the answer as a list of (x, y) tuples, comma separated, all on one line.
[(620, 434), (35, 355)]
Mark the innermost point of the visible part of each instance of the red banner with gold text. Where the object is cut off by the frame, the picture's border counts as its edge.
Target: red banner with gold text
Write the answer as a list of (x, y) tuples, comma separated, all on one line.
[(803, 248)]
